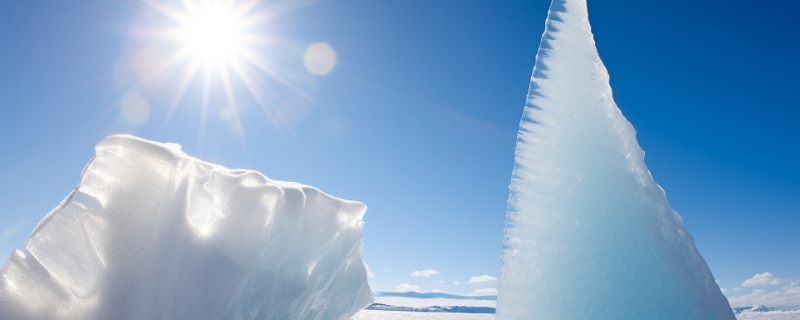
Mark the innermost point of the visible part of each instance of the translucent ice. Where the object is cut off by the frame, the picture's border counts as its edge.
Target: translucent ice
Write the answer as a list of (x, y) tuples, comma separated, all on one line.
[(151, 233), (589, 234)]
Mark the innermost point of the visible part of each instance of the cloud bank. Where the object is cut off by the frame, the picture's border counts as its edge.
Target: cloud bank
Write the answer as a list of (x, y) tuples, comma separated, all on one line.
[(761, 279), (777, 298), (405, 287), (370, 274), (785, 296), (424, 273), (483, 278), (483, 292)]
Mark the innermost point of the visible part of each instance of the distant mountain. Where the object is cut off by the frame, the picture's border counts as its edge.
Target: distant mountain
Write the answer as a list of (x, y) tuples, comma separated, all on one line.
[(762, 308), (432, 295), (456, 309)]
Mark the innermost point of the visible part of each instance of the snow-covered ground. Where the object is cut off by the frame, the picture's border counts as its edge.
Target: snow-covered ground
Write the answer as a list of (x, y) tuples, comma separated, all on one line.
[(465, 301), (769, 315), (398, 315), (422, 303), (395, 315)]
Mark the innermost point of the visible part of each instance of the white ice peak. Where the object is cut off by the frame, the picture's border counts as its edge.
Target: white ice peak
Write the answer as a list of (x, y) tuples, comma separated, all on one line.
[(151, 233), (589, 234)]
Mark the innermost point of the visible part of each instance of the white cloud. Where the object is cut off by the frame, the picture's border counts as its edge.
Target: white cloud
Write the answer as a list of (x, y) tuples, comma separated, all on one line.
[(424, 273), (761, 279), (456, 283), (369, 273), (761, 297), (484, 292), (483, 278), (441, 281), (737, 289), (754, 298), (723, 290), (792, 290), (407, 287), (437, 290)]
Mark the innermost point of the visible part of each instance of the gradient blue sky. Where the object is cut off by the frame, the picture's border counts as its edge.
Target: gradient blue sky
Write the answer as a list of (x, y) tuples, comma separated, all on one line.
[(419, 116)]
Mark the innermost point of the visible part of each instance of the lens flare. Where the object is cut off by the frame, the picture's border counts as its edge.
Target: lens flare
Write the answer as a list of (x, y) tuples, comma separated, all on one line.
[(135, 108), (320, 58)]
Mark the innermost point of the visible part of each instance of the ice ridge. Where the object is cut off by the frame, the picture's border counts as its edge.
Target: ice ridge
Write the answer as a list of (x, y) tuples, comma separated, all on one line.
[(589, 234)]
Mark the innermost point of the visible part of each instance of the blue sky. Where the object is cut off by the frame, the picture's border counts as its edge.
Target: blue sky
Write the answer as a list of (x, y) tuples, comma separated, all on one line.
[(418, 118)]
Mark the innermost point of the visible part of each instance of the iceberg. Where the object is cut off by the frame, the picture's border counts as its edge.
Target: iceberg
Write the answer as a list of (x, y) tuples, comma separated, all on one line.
[(151, 233), (589, 234)]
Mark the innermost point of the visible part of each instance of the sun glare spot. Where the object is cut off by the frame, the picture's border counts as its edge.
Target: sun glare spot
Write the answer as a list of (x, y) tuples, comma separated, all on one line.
[(213, 33), (203, 222), (10, 283)]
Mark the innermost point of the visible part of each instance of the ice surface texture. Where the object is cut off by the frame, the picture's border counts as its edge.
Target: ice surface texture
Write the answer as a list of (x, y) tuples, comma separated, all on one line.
[(151, 233), (589, 234)]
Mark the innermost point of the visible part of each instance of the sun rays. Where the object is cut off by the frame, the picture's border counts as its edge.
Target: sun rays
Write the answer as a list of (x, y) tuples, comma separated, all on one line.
[(224, 48)]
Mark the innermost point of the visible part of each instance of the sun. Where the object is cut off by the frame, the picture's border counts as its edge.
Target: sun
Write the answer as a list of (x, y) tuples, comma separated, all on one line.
[(232, 45), (218, 41), (213, 33)]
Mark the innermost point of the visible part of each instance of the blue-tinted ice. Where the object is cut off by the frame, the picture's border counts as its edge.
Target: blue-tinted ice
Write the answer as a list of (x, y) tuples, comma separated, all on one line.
[(589, 234)]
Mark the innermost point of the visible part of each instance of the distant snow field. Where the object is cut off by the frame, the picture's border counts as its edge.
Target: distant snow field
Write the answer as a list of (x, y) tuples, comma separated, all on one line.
[(788, 313), (423, 303), (399, 315), (769, 315)]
